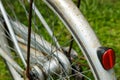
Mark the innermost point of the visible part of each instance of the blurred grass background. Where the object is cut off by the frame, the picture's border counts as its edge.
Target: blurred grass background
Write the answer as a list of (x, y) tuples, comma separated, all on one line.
[(104, 17)]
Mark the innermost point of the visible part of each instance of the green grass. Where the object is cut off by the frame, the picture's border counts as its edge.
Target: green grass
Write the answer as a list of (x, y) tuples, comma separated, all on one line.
[(4, 73), (104, 17)]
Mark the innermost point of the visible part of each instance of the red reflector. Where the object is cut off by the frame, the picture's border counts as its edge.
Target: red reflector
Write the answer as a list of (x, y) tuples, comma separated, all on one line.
[(108, 59)]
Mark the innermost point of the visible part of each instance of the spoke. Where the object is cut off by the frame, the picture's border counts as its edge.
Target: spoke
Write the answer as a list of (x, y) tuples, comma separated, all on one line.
[(45, 24), (12, 62), (11, 32), (81, 74), (41, 18)]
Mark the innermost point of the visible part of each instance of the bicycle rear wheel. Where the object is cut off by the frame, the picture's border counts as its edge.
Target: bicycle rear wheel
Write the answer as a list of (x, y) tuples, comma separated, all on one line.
[(48, 49)]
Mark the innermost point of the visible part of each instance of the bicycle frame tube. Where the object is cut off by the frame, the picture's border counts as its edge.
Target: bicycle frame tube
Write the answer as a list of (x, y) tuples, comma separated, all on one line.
[(75, 22)]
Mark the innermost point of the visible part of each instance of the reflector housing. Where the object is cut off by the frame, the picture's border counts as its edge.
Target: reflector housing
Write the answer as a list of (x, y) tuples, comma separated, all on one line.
[(106, 57)]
